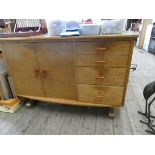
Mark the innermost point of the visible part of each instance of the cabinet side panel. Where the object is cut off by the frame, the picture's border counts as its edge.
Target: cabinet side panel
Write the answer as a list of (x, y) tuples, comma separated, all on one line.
[(128, 69)]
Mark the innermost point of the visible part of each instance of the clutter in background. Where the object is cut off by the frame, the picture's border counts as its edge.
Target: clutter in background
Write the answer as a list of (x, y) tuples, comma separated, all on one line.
[(87, 21), (6, 88), (57, 27), (133, 24), (85, 27), (64, 28), (70, 28), (112, 26), (10, 105), (8, 100), (54, 27), (22, 27)]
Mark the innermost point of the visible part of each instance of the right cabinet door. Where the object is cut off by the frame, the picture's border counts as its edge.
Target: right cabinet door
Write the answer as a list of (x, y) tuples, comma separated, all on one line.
[(56, 60)]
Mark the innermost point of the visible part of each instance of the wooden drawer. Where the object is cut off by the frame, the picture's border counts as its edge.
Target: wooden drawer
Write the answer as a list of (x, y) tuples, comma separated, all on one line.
[(100, 75), (99, 47), (100, 94), (106, 60)]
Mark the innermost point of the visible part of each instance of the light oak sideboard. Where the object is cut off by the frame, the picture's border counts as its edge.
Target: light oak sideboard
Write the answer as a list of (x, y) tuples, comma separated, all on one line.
[(83, 70)]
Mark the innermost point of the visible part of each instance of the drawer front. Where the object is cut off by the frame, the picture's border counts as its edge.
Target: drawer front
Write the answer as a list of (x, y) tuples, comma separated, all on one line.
[(106, 60), (119, 47), (100, 94), (100, 75)]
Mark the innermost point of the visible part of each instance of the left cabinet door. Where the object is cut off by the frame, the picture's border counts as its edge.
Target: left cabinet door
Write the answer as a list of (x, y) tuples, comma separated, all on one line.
[(23, 65)]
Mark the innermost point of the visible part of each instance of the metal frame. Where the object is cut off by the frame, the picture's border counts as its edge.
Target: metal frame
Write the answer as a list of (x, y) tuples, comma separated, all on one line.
[(148, 116)]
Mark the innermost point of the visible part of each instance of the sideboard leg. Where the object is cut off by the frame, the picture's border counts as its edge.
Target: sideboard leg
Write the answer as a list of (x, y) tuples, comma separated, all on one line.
[(111, 113)]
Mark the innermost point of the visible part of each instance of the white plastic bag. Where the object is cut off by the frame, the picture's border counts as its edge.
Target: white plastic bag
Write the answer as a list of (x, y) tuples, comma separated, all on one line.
[(88, 29), (112, 26), (54, 27)]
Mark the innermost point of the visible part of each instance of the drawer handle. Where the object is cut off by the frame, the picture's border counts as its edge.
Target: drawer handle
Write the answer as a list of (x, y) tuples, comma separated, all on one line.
[(99, 77), (102, 61), (101, 49), (44, 74), (99, 96), (36, 73)]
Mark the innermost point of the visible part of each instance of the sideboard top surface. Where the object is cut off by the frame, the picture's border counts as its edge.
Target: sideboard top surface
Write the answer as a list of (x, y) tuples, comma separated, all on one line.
[(38, 38)]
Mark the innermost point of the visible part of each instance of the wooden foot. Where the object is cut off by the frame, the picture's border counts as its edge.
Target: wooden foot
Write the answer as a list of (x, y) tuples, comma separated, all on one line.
[(111, 113)]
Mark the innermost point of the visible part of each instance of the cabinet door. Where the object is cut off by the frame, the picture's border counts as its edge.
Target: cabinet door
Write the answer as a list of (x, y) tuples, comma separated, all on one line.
[(56, 60), (22, 61)]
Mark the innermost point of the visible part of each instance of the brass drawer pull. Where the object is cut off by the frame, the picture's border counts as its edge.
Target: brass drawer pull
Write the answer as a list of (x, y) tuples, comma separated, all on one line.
[(44, 74), (100, 61), (100, 49), (36, 73), (99, 77)]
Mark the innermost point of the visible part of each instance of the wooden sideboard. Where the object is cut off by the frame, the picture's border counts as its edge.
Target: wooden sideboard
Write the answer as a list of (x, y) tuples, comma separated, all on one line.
[(83, 70)]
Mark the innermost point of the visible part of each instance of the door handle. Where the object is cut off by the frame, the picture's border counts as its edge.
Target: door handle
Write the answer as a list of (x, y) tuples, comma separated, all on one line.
[(99, 77), (36, 73), (101, 49), (99, 96), (44, 74), (100, 61)]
